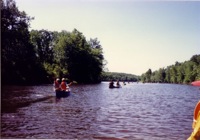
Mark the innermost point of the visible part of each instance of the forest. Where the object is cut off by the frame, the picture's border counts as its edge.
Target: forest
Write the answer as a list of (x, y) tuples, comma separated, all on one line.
[(107, 76), (39, 56), (179, 73)]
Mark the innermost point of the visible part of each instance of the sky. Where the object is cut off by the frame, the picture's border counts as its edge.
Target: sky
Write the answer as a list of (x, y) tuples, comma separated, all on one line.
[(135, 35)]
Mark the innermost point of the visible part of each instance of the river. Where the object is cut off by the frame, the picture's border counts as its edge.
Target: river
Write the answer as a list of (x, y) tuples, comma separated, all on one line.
[(136, 111)]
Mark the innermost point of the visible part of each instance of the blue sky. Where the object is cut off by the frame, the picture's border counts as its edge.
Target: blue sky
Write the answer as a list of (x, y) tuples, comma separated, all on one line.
[(135, 35)]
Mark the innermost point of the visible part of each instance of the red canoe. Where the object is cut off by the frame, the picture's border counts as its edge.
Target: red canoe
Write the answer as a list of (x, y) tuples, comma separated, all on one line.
[(196, 83)]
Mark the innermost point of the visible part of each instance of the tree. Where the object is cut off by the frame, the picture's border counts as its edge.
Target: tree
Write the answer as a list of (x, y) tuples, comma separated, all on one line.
[(167, 75), (83, 62), (189, 72), (161, 75), (107, 76), (197, 72), (27, 57), (43, 42), (179, 73), (97, 61), (18, 57), (196, 59), (148, 75)]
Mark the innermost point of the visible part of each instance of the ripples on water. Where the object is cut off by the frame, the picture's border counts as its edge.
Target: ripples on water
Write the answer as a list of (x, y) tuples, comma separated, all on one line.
[(135, 111)]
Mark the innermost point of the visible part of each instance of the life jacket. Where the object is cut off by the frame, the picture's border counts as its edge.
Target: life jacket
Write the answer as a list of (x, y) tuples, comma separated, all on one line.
[(63, 86), (56, 84)]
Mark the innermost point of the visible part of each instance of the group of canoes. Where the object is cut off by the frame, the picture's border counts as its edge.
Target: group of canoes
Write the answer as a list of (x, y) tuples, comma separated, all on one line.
[(62, 90), (195, 135), (111, 84)]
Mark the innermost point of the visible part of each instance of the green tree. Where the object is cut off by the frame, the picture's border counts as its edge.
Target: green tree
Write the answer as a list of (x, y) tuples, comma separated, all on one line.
[(189, 72), (84, 63), (148, 75), (18, 57), (153, 77), (180, 73), (195, 59), (196, 68), (107, 76), (167, 75), (143, 77), (43, 42), (185, 72), (30, 56), (173, 74), (97, 61), (161, 75), (197, 72)]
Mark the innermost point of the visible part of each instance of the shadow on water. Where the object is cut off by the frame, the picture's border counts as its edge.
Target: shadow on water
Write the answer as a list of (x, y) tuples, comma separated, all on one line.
[(14, 97), (10, 106)]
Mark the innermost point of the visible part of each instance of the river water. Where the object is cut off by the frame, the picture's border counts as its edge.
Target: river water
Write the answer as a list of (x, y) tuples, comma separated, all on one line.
[(135, 111)]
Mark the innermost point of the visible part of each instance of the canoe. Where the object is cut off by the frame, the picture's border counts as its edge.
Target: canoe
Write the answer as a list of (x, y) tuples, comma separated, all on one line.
[(62, 94), (195, 135), (196, 111), (196, 83), (115, 87)]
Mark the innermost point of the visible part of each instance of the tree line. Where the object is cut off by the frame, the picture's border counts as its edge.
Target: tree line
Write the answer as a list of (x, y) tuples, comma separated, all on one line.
[(108, 76), (32, 57), (185, 72), (37, 56)]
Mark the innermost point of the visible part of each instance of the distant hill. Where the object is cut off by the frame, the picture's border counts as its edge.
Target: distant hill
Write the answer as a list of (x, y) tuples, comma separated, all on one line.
[(107, 76)]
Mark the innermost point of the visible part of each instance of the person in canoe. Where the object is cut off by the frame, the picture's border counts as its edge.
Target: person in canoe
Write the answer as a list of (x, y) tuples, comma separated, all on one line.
[(57, 85), (124, 82), (118, 84), (111, 84), (64, 86)]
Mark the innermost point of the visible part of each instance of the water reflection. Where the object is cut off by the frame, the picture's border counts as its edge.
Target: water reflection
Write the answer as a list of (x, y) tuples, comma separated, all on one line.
[(135, 111)]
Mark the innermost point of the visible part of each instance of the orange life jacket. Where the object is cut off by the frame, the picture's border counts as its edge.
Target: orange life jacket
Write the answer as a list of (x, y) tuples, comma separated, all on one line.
[(63, 86)]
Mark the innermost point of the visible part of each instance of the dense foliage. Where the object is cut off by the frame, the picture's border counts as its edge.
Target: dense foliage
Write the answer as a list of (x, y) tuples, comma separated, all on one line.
[(185, 72), (68, 54), (31, 57), (17, 53), (107, 76)]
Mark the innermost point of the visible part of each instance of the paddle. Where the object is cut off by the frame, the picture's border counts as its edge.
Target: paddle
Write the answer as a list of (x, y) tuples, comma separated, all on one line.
[(74, 82)]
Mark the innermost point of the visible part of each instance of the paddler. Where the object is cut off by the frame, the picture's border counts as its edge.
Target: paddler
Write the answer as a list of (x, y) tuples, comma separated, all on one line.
[(64, 85), (118, 84), (111, 84), (57, 85)]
